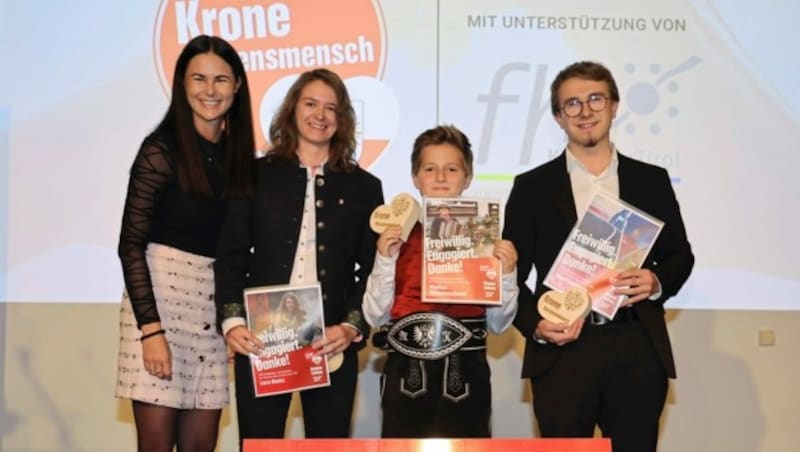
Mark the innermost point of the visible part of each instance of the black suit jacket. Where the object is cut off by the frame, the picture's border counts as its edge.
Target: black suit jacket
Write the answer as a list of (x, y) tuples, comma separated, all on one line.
[(539, 216), (269, 221)]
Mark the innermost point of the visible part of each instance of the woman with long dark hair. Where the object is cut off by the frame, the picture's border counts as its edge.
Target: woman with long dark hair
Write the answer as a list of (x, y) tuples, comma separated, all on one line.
[(172, 359)]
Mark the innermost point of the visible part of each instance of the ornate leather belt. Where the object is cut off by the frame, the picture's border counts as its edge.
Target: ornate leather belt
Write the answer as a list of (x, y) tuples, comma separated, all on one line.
[(431, 335)]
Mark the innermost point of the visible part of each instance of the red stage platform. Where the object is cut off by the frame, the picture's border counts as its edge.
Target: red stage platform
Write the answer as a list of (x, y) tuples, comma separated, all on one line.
[(428, 445)]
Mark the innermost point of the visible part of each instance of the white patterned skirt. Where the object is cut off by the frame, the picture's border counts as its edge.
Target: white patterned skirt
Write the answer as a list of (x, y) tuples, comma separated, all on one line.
[(183, 285)]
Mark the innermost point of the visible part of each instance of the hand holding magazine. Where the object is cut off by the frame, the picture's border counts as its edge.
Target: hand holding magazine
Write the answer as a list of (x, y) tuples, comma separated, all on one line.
[(458, 265), (611, 236), (287, 319)]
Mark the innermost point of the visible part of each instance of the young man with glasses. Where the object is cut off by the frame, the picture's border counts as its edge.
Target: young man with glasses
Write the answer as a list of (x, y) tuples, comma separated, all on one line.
[(609, 373)]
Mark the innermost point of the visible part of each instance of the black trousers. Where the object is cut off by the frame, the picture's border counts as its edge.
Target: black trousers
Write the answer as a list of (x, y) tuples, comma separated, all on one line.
[(327, 411), (610, 377), (445, 398)]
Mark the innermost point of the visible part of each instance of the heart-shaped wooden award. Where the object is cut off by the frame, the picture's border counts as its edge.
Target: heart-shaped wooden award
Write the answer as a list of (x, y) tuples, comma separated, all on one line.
[(565, 307), (335, 362), (403, 211)]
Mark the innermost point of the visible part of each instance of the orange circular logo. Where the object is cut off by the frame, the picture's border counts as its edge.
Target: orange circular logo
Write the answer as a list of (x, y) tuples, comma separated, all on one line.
[(279, 40)]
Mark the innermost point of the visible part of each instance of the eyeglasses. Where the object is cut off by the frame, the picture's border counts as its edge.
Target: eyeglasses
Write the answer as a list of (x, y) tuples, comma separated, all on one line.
[(574, 107)]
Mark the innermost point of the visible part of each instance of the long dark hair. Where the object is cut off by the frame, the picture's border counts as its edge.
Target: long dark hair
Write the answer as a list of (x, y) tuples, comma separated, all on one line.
[(283, 131), (239, 140)]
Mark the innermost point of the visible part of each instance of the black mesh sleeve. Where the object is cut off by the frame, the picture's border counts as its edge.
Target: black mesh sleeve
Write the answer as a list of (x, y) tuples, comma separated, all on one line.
[(151, 171)]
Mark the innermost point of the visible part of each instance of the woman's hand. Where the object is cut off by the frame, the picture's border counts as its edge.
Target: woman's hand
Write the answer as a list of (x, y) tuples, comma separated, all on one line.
[(156, 354), (241, 340), (337, 339)]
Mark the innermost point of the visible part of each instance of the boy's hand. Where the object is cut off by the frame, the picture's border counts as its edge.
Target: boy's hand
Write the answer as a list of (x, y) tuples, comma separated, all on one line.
[(389, 242)]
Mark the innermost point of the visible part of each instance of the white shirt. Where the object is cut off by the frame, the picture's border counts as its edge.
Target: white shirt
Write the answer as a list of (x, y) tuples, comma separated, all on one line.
[(304, 268), (585, 184)]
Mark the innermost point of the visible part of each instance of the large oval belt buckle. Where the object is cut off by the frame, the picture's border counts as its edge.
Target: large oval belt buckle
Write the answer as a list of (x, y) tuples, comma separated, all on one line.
[(428, 335)]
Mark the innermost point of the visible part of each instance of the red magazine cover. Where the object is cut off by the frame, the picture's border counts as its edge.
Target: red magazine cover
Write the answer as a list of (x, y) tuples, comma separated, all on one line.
[(611, 236), (287, 319), (458, 240)]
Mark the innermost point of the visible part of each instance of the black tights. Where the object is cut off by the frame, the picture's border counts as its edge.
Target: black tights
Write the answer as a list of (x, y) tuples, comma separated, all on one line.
[(159, 428)]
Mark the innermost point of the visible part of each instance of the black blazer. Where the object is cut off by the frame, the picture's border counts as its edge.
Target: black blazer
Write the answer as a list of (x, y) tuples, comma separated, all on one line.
[(539, 216), (269, 221)]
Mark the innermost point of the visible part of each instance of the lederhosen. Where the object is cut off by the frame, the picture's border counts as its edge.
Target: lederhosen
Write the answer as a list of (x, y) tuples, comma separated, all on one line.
[(436, 381)]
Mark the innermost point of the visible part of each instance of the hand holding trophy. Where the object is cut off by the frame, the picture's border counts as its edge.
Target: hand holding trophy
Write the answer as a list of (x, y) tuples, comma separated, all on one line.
[(565, 307), (403, 211)]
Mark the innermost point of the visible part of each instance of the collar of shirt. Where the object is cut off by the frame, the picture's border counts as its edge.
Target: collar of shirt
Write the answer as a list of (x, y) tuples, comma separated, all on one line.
[(585, 184), (314, 170), (574, 164)]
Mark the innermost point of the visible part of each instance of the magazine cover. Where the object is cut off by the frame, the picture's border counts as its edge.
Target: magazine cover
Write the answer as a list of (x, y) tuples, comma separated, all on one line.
[(611, 236), (287, 319), (457, 262)]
